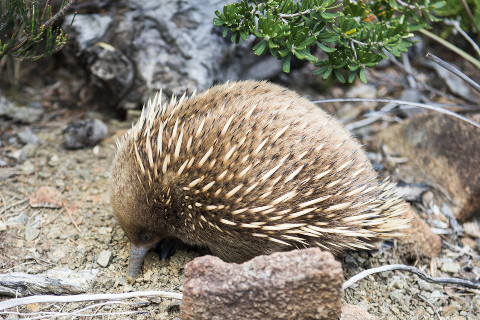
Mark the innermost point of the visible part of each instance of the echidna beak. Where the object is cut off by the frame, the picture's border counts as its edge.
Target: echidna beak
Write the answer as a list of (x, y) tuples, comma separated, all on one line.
[(137, 254)]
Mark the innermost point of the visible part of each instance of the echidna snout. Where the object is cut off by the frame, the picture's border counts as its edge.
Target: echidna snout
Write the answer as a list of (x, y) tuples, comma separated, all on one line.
[(244, 169)]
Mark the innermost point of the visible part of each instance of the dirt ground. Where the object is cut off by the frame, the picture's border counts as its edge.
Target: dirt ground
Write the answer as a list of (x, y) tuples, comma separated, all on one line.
[(34, 240)]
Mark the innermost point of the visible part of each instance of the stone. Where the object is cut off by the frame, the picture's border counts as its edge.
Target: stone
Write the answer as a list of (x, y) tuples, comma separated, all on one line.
[(31, 233), (352, 312), (18, 113), (46, 197), (28, 151), (54, 161), (27, 167), (442, 151), (27, 136), (104, 257), (84, 133), (298, 284), (472, 229), (418, 240), (450, 267)]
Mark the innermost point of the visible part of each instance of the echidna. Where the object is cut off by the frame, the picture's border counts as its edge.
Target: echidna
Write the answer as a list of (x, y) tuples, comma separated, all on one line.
[(244, 169)]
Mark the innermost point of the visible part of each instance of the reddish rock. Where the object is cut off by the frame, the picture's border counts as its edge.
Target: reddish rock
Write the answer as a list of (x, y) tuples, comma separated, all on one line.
[(442, 151), (352, 312), (299, 284), (46, 197), (419, 240)]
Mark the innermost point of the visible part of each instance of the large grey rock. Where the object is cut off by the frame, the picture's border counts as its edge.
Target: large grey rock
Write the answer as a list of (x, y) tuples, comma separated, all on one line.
[(299, 284), (141, 46)]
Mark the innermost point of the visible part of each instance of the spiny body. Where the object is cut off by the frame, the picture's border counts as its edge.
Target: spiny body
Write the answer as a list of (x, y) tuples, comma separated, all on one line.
[(244, 169)]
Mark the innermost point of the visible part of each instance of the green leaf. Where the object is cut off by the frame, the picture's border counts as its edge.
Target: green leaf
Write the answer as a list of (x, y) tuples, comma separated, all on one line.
[(286, 63), (362, 76), (324, 47), (352, 76), (339, 76), (260, 47)]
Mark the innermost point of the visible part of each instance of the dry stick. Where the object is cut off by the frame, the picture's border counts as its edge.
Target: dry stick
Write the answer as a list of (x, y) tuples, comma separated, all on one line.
[(87, 297), (70, 215), (4, 210), (470, 15), (453, 70), (456, 26), (450, 46), (78, 312), (420, 273), (431, 306), (409, 72), (402, 102)]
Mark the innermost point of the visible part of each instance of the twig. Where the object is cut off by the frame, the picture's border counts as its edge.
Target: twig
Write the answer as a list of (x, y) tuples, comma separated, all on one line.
[(402, 102), (431, 306), (70, 215), (450, 46), (4, 210), (59, 14), (78, 312), (456, 26), (453, 70), (470, 15), (87, 297), (420, 273)]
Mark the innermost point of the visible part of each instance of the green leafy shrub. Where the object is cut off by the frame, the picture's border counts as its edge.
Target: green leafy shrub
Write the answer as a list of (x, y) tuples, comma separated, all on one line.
[(354, 34)]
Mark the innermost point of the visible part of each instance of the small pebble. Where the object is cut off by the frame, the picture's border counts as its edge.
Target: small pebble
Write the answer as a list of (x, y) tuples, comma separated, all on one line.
[(476, 303), (28, 151), (104, 258), (84, 133), (56, 255), (31, 233), (450, 267), (472, 229), (27, 167), (104, 230), (54, 160), (27, 136)]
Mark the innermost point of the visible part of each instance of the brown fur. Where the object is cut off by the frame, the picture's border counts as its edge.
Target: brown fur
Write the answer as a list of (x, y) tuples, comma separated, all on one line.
[(324, 193)]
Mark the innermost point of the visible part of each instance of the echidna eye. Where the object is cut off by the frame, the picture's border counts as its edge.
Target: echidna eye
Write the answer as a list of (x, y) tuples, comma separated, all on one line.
[(145, 237)]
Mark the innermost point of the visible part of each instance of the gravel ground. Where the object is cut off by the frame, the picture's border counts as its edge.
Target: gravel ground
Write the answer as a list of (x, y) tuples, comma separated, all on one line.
[(82, 234)]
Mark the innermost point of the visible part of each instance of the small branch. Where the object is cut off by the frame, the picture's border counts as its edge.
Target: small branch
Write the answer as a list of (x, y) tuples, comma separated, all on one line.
[(87, 297), (401, 102), (5, 207), (70, 215), (450, 46), (59, 14), (470, 15), (431, 306), (418, 272), (79, 312), (292, 15), (453, 70), (457, 27)]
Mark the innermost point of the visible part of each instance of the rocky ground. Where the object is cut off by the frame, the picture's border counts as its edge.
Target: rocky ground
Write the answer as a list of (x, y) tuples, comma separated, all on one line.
[(73, 227)]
